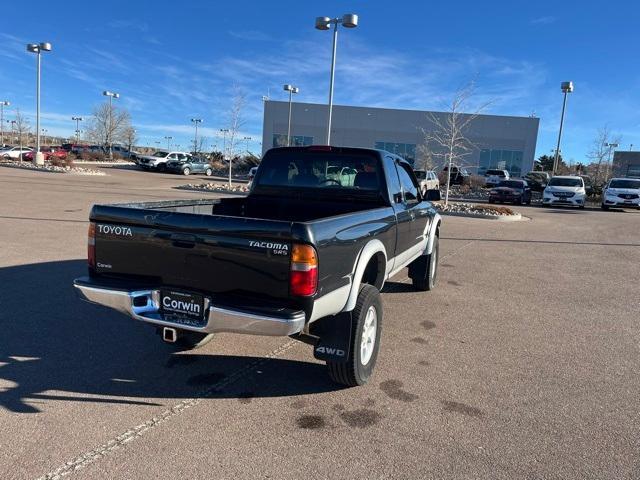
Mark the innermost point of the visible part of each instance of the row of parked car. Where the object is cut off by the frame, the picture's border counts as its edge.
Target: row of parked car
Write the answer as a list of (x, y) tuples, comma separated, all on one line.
[(174, 162), (51, 152)]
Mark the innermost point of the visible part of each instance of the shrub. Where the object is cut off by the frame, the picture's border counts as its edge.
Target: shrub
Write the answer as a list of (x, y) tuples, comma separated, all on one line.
[(476, 182), (62, 162)]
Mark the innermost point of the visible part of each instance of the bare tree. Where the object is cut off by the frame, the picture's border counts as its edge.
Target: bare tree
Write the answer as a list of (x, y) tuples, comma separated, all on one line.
[(22, 128), (130, 137), (235, 123), (600, 152), (424, 154), (109, 124), (450, 132)]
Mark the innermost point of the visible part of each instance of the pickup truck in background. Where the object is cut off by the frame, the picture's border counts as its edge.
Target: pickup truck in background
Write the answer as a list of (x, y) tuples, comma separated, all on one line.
[(304, 254)]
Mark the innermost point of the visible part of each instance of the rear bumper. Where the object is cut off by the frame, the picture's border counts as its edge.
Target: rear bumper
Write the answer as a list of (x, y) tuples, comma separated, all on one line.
[(144, 305)]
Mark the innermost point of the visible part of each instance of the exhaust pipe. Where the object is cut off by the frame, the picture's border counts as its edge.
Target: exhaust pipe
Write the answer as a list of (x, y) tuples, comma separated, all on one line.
[(169, 335)]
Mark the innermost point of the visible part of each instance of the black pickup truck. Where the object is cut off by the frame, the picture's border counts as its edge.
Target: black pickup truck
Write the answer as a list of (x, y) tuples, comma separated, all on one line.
[(304, 254)]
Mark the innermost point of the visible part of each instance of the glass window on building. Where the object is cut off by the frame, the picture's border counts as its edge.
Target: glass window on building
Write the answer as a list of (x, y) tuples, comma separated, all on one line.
[(405, 150), (280, 140), (510, 160)]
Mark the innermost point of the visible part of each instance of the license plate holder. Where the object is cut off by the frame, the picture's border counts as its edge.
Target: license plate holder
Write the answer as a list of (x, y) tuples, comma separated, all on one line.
[(176, 303)]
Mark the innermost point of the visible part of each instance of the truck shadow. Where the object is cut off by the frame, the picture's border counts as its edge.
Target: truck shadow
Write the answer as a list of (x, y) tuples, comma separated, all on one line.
[(56, 347)]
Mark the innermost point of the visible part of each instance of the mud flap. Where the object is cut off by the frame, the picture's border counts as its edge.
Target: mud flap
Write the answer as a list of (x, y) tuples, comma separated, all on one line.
[(335, 337), (418, 268)]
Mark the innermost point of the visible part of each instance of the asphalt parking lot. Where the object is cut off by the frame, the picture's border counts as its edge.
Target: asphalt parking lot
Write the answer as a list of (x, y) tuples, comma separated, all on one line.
[(523, 363)]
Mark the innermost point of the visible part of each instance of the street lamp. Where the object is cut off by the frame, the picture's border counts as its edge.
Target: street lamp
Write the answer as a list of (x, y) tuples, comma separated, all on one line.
[(111, 96), (566, 87), (247, 139), (38, 48), (168, 139), (224, 150), (196, 121), (3, 104), (77, 120), (291, 89), (348, 20)]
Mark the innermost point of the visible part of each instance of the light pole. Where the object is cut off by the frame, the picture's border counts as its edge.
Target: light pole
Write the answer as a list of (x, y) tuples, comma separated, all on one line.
[(349, 20), (196, 121), (291, 89), (38, 48), (609, 164), (3, 104), (566, 87), (224, 150), (77, 120), (247, 139), (111, 96), (168, 139)]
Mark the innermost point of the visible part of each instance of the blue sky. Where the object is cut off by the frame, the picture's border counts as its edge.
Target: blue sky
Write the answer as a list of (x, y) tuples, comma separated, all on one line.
[(173, 61)]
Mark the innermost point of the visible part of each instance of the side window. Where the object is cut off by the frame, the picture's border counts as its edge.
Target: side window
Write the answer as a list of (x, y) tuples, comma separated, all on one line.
[(392, 177), (408, 186), (173, 156)]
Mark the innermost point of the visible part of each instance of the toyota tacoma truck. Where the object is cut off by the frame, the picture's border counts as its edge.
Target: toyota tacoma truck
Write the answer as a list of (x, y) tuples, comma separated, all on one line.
[(304, 255)]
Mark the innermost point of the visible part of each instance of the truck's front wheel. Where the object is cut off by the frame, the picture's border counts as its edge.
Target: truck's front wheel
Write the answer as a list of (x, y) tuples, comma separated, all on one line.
[(365, 340)]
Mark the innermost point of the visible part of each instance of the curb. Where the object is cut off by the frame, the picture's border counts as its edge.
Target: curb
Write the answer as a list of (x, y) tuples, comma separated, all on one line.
[(499, 218)]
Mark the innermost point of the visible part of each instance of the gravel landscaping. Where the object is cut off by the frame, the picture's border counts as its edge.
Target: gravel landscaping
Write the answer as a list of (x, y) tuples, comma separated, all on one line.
[(215, 187), (50, 168), (475, 210)]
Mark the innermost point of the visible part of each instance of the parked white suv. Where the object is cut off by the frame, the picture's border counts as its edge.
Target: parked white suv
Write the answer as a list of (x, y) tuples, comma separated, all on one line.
[(565, 190), (621, 192), (428, 180), (494, 177), (15, 152)]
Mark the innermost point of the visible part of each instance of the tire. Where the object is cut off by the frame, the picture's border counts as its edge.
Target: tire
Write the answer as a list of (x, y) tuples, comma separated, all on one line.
[(604, 207), (491, 200), (189, 340), (208, 172), (425, 277), (186, 171), (581, 207), (162, 167), (365, 334)]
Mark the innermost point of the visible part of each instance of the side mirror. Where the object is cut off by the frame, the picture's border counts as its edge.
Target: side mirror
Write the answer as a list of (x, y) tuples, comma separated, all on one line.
[(432, 195)]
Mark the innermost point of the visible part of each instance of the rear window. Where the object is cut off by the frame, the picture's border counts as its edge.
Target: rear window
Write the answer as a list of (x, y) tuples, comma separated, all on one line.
[(499, 173), (625, 183), (320, 170), (420, 174), (565, 182)]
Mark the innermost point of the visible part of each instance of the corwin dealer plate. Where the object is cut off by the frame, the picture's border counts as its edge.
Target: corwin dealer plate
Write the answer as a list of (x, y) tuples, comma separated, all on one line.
[(181, 303)]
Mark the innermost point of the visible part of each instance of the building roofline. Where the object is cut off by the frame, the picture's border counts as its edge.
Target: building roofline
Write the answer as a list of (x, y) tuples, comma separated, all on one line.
[(384, 109)]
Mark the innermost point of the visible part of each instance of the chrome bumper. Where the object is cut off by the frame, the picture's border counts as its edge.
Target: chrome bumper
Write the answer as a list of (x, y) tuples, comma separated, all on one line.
[(147, 309)]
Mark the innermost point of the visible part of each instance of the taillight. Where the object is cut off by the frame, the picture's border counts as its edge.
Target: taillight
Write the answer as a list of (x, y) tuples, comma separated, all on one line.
[(303, 281), (91, 245)]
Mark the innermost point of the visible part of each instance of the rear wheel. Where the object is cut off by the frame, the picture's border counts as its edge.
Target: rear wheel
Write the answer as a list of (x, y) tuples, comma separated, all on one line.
[(424, 270), (186, 171), (208, 172), (365, 340)]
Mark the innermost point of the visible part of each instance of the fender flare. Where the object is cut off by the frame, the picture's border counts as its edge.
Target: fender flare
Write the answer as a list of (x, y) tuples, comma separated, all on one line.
[(368, 251), (435, 226)]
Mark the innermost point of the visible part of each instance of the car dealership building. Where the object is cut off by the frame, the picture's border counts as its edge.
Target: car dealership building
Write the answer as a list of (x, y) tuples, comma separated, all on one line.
[(502, 142)]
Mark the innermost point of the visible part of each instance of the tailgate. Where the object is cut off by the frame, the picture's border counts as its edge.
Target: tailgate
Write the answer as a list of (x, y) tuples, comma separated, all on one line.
[(208, 253)]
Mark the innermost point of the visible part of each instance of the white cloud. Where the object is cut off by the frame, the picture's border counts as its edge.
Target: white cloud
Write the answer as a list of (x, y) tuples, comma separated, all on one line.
[(548, 20)]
